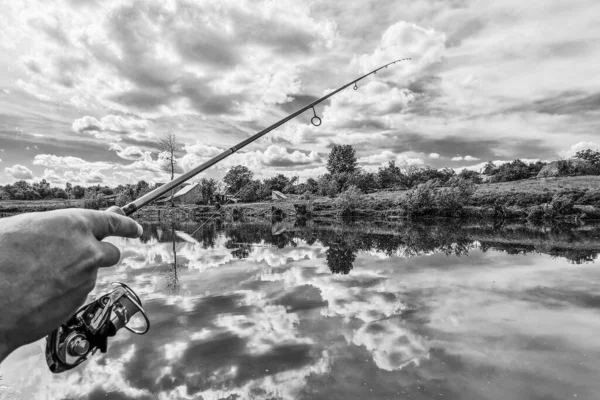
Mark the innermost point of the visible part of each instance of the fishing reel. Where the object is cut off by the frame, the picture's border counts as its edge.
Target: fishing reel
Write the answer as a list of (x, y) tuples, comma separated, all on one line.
[(89, 329)]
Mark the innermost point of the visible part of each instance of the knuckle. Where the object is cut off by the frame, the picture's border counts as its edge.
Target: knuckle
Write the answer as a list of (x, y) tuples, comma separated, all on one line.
[(80, 222), (114, 223)]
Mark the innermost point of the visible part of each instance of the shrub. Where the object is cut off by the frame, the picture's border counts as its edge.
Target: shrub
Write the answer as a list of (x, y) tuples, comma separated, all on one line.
[(94, 200), (327, 186), (469, 175), (122, 198), (349, 201), (515, 170), (449, 201), (420, 201), (560, 206)]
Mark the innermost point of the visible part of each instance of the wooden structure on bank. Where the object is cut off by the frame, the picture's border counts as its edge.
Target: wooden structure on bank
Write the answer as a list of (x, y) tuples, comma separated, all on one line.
[(190, 194), (277, 195)]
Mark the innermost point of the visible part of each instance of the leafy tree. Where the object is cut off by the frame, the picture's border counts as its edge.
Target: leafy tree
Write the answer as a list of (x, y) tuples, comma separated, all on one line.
[(208, 188), (58, 193), (69, 190), (42, 188), (311, 185), (237, 177), (516, 170), (489, 168), (78, 192), (279, 182), (469, 175), (589, 155), (364, 181), (141, 188), (342, 159), (251, 191), (390, 176)]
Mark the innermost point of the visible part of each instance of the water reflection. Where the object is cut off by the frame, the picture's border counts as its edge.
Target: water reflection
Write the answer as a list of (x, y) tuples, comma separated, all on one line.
[(577, 244), (354, 310)]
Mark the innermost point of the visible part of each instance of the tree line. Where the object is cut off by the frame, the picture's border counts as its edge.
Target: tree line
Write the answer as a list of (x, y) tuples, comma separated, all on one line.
[(343, 173)]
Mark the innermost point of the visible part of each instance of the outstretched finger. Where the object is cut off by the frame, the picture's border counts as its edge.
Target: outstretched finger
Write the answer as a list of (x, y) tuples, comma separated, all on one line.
[(106, 224)]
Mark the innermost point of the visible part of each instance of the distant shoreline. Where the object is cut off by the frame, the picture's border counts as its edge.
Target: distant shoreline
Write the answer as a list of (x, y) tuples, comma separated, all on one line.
[(509, 200)]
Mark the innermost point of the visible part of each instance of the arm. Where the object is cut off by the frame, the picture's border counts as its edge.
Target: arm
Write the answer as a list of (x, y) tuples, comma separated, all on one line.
[(48, 264)]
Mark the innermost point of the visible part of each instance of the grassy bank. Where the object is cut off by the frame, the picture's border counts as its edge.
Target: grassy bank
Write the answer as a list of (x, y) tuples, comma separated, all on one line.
[(22, 206), (536, 199)]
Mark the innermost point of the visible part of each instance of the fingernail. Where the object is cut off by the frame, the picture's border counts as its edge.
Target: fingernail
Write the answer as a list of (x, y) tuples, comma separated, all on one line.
[(140, 230)]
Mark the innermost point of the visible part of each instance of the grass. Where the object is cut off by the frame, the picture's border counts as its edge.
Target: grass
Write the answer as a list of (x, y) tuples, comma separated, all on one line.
[(16, 206), (520, 195)]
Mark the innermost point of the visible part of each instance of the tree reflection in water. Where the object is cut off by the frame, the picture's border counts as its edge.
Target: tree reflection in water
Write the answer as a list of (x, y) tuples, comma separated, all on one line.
[(406, 239)]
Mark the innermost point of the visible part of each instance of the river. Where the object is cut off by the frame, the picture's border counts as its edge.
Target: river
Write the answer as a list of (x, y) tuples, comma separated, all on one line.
[(306, 310)]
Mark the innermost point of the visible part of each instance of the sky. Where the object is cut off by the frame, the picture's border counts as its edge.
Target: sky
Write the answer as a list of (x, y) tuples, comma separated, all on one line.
[(88, 87)]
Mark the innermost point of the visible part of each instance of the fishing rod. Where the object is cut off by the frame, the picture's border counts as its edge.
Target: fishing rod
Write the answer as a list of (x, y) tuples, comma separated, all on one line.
[(135, 205), (89, 329)]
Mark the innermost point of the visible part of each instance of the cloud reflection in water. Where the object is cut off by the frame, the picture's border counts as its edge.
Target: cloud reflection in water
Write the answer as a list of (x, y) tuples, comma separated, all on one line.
[(419, 310)]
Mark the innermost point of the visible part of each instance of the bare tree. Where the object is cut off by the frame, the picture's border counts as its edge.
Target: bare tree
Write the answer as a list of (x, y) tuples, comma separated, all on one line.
[(168, 145)]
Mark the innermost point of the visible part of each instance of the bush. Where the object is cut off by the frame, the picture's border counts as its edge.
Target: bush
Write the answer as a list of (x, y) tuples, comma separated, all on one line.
[(561, 206), (514, 171), (349, 201), (431, 199), (94, 200), (469, 175), (327, 186), (420, 201), (449, 201)]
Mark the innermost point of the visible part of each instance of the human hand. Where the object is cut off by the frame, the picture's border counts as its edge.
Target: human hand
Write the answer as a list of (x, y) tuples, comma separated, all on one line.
[(48, 264)]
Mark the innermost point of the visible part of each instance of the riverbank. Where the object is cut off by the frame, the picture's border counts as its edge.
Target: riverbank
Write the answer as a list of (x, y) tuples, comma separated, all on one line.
[(565, 198), (23, 206)]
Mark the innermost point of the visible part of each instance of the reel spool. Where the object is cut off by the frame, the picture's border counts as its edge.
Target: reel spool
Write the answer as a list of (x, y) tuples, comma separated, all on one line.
[(88, 330)]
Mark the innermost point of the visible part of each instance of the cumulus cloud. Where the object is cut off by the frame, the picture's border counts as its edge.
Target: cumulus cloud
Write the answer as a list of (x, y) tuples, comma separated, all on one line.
[(272, 156), (52, 177), (19, 171), (405, 39), (53, 161), (393, 346), (202, 150), (408, 158), (434, 155), (127, 153), (578, 147), (465, 158), (85, 176), (252, 62)]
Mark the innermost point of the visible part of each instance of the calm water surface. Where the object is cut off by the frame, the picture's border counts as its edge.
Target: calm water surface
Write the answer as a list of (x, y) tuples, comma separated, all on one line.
[(353, 311)]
